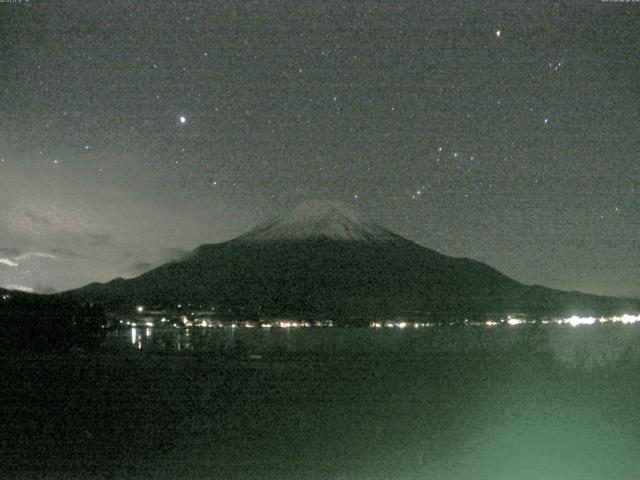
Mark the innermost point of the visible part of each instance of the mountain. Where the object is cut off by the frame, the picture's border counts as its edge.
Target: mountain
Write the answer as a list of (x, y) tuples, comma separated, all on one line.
[(323, 260), (48, 322)]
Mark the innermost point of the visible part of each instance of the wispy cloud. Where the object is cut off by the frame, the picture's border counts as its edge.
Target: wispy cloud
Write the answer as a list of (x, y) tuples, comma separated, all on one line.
[(79, 237), (30, 255), (20, 288), (15, 260)]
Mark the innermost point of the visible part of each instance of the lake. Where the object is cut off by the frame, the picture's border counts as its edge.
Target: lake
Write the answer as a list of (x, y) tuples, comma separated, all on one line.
[(503, 402)]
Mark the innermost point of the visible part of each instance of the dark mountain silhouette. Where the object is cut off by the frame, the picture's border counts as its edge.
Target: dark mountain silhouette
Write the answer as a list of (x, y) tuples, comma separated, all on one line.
[(48, 323), (324, 260)]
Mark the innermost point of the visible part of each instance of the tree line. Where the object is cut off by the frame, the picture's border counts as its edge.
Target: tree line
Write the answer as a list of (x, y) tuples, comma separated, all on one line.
[(48, 323)]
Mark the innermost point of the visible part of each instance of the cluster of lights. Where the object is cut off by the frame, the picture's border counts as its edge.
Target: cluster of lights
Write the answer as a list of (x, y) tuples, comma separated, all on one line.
[(287, 324), (185, 321), (402, 325), (515, 321), (576, 320), (626, 319)]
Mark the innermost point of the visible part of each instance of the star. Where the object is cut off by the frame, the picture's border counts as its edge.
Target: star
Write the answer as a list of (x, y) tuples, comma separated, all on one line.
[(498, 33), (182, 120)]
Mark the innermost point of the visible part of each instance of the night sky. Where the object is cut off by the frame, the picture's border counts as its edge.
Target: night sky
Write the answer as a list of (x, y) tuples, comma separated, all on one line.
[(507, 132)]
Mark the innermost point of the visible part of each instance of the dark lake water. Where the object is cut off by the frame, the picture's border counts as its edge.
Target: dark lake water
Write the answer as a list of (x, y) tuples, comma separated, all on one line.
[(519, 402), (583, 347)]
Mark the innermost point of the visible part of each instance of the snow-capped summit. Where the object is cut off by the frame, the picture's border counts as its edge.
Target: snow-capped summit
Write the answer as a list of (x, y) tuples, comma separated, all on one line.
[(317, 219)]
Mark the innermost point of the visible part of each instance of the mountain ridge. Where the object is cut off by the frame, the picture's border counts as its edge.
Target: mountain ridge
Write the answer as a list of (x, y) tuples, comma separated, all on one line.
[(324, 260)]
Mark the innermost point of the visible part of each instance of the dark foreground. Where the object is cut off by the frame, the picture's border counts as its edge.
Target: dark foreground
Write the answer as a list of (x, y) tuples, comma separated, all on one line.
[(520, 412)]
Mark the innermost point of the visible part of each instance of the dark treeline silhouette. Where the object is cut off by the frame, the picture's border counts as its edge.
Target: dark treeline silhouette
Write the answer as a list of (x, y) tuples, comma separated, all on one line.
[(44, 323)]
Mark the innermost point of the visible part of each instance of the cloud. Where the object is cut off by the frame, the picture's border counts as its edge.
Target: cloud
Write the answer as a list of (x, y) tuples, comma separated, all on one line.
[(15, 260), (30, 255), (69, 240), (13, 256), (20, 288), (76, 236)]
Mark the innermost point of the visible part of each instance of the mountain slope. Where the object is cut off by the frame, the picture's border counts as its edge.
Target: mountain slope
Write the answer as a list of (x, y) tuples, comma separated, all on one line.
[(324, 260)]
